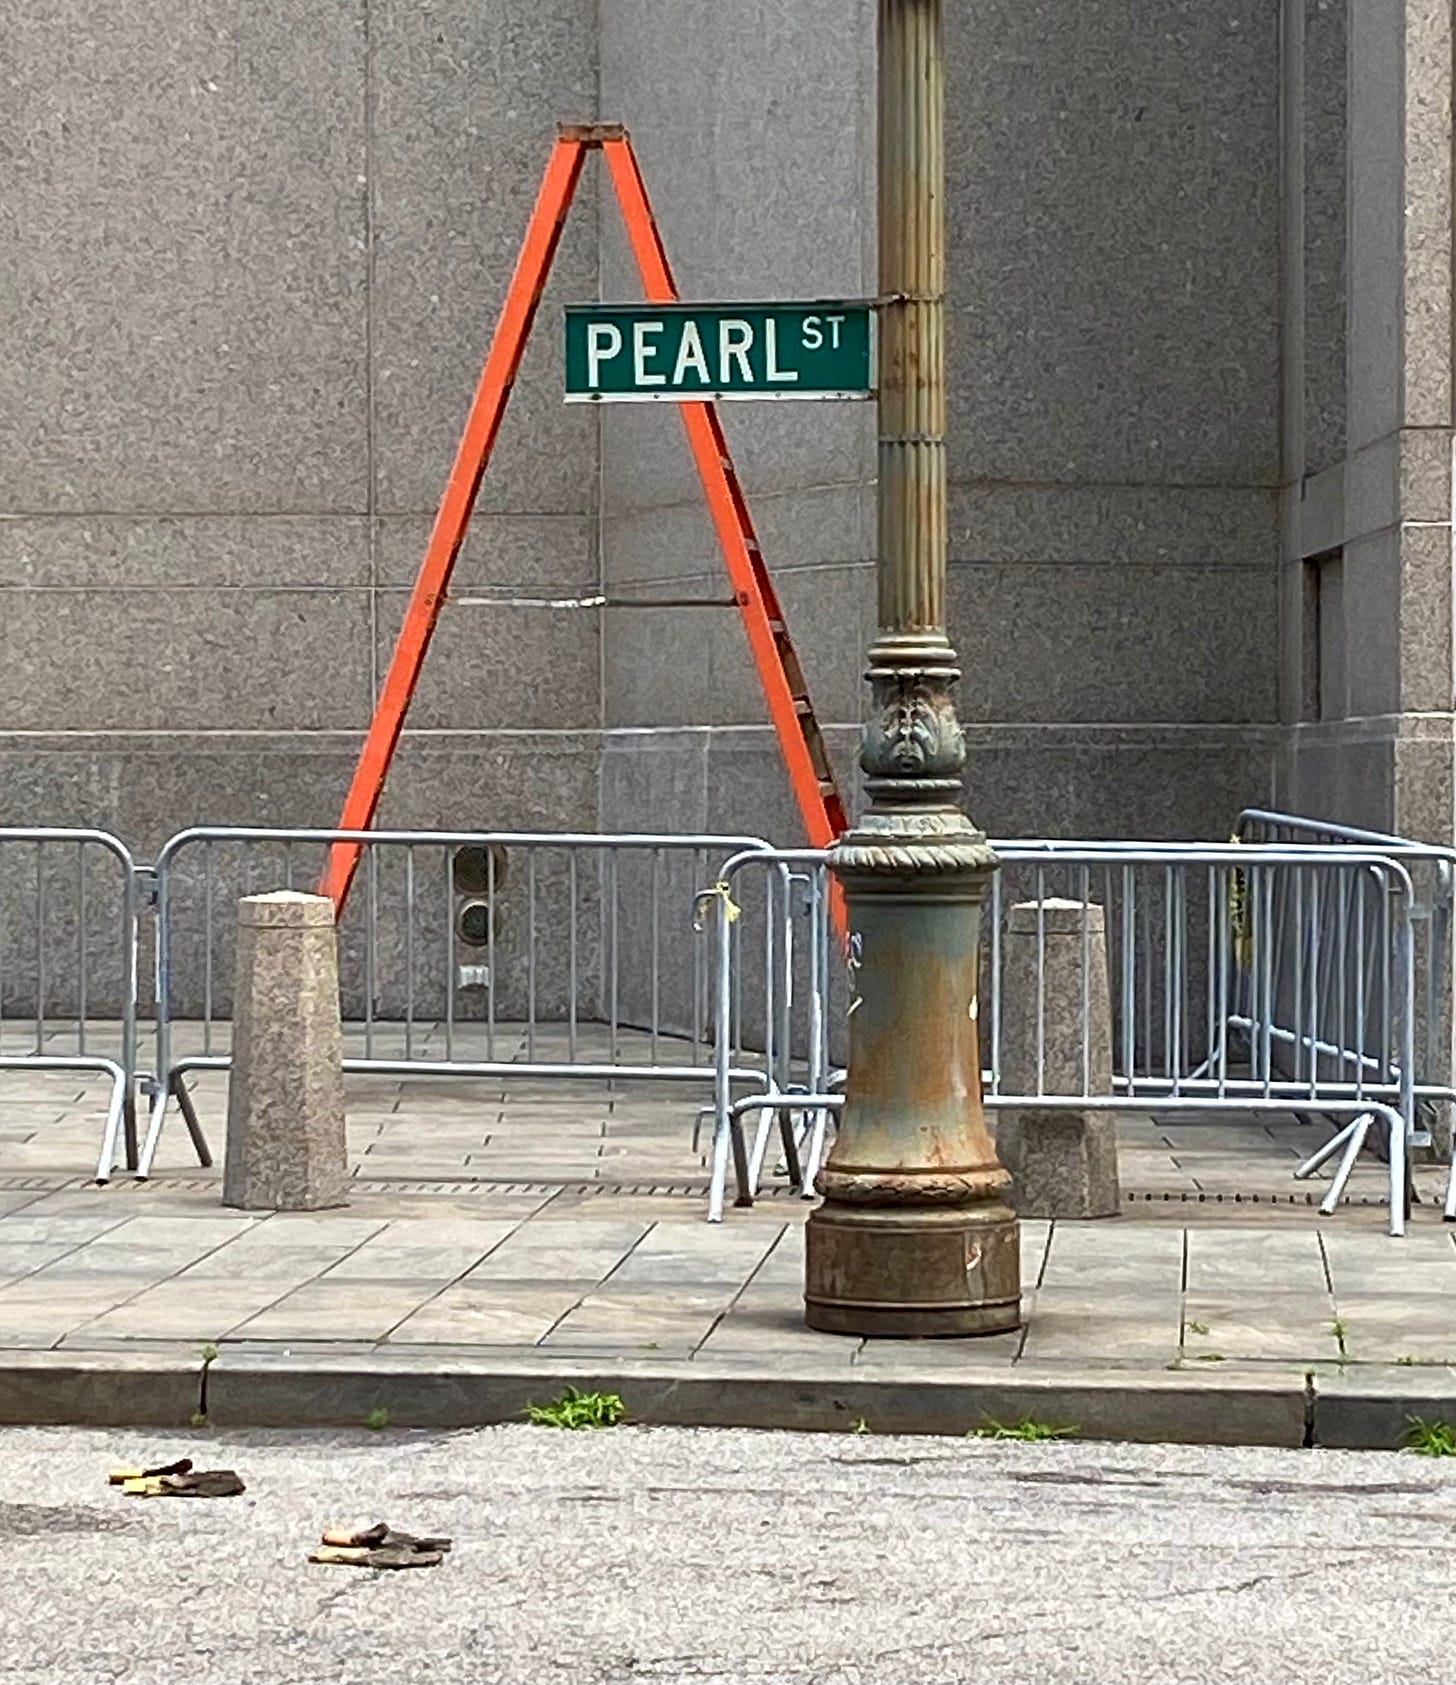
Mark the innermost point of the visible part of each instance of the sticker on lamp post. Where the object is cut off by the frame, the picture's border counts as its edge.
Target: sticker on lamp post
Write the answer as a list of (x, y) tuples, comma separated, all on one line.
[(634, 354)]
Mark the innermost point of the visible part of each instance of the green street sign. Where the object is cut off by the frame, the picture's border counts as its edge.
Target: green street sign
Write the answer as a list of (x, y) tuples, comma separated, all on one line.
[(646, 353)]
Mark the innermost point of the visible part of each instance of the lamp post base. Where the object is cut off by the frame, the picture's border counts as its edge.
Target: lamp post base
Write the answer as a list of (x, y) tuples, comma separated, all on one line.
[(913, 1273), (914, 1237)]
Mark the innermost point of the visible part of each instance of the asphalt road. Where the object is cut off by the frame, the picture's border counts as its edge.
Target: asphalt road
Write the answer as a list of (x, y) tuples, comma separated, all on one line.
[(642, 1555)]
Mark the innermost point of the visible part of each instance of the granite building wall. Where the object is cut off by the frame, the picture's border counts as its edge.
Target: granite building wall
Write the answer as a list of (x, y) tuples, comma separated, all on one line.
[(252, 257), (1114, 340), (1368, 379)]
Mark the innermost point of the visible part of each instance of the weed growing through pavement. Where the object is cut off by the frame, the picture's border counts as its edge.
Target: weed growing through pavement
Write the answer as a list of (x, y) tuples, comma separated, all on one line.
[(578, 1410), (1209, 1357), (377, 1420), (860, 1425), (1026, 1429), (1430, 1439), (198, 1418), (1337, 1328), (1197, 1327)]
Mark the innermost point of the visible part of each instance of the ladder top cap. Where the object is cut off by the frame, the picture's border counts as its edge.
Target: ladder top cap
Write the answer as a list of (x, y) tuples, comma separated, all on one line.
[(591, 134)]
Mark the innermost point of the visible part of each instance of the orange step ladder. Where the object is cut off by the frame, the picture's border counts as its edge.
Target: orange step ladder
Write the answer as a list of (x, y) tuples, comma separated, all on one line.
[(792, 713)]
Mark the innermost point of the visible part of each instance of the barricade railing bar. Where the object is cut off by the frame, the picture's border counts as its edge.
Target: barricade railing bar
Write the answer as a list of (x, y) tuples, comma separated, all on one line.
[(1242, 977), (480, 954), (68, 954)]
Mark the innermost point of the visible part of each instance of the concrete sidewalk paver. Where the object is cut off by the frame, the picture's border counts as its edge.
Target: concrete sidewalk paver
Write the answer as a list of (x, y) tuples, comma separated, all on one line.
[(1425, 1262), (287, 1266), (23, 1257), (40, 1311), (491, 1313), (769, 1318), (1143, 1255), (672, 1254), (546, 1248), (326, 1309), (1088, 1326), (623, 1318), (176, 1310), (1299, 1327), (1278, 1261), (443, 1253), (1388, 1328)]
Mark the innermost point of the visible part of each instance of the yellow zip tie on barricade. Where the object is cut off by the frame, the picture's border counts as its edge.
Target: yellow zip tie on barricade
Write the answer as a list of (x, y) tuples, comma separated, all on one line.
[(1239, 914), (719, 892)]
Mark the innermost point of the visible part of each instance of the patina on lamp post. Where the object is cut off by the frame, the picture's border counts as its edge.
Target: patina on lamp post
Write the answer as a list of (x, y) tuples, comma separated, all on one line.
[(914, 1236)]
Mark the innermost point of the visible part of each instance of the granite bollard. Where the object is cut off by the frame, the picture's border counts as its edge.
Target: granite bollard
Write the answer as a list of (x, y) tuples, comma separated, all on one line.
[(285, 1131), (1063, 1162)]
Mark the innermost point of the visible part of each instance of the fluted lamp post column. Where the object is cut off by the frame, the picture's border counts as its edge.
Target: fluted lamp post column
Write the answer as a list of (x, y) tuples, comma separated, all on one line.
[(913, 1236)]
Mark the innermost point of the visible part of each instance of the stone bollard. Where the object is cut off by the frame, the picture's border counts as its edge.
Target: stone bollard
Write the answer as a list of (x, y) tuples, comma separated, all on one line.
[(285, 1130), (1063, 1163)]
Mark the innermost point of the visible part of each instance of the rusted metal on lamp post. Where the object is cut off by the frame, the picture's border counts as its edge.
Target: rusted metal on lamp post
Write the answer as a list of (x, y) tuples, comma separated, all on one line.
[(913, 1237)]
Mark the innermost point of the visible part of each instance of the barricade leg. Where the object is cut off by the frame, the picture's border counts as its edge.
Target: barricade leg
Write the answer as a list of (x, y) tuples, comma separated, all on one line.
[(129, 1122), (788, 1135), (726, 1137), (115, 1120), (1336, 1141), (156, 1116), (818, 1132), (118, 1078), (1399, 1173), (194, 1125), (761, 1137), (1354, 1138), (746, 1188), (169, 1085), (789, 1165)]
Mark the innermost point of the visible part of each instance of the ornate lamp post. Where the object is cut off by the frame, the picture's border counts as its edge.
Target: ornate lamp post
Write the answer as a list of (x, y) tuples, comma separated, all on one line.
[(913, 1237)]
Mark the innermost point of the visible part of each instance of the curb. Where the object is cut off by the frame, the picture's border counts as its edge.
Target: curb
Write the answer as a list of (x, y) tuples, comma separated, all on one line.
[(1362, 1411), (112, 1389), (451, 1388), (1105, 1407)]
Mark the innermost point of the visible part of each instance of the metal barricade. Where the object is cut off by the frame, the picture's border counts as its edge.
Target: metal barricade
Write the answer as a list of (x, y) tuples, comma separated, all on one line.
[(68, 950), (1252, 978), (1243, 977), (1432, 871), (793, 1085), (477, 954)]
